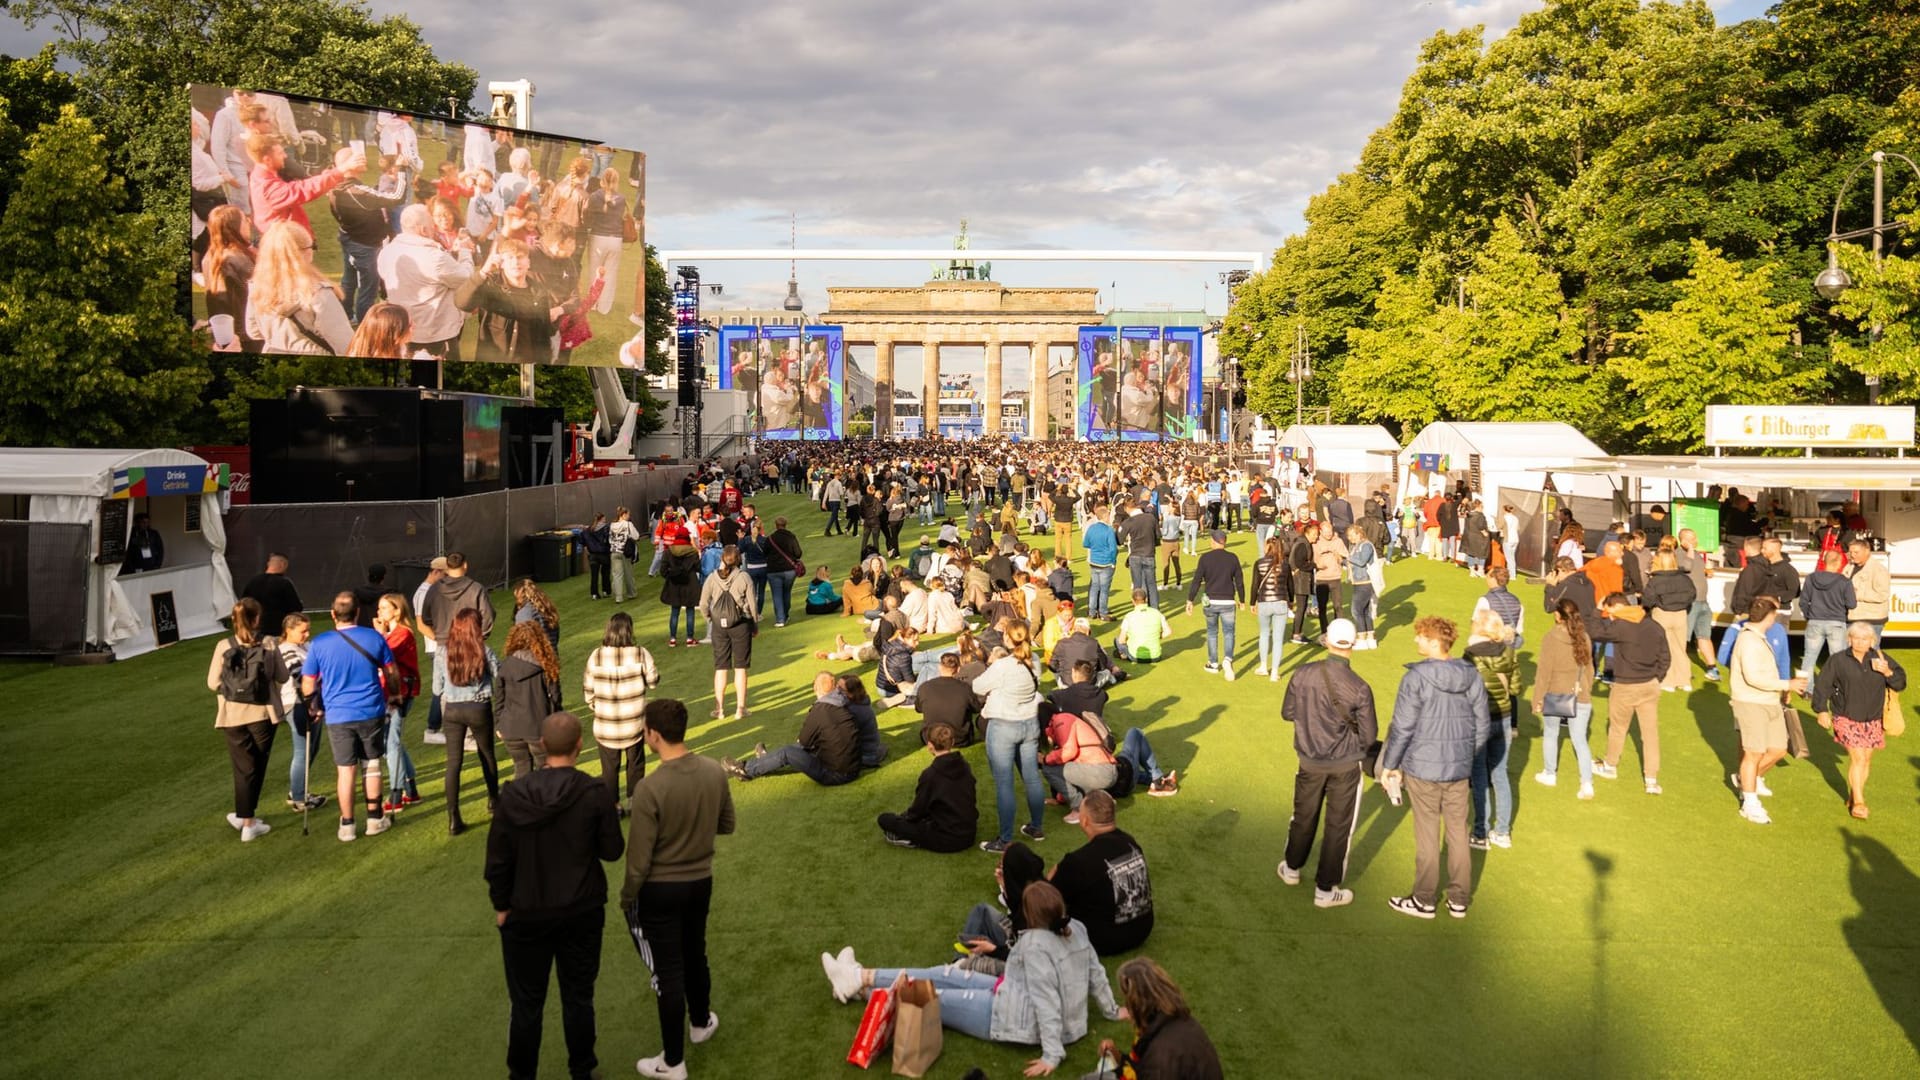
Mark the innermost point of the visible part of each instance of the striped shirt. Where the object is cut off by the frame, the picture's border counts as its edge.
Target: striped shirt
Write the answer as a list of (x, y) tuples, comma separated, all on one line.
[(617, 681)]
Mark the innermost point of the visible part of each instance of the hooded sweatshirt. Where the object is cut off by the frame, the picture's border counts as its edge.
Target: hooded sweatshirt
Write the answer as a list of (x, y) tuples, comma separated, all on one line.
[(551, 831), (1640, 651), (451, 596)]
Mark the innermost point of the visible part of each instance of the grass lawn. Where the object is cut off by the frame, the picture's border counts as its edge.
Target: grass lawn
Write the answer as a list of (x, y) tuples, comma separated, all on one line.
[(1629, 936)]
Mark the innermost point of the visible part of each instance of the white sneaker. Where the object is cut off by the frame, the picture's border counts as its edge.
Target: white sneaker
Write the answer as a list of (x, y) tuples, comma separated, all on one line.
[(258, 828), (1761, 789), (1287, 873), (346, 834), (843, 972), (1259, 669), (236, 821), (1500, 839), (656, 1066), (435, 738), (1586, 792), (1335, 897), (1755, 813), (1546, 779), (1275, 675), (1605, 771), (376, 826), (702, 1034), (1227, 670), (1653, 787)]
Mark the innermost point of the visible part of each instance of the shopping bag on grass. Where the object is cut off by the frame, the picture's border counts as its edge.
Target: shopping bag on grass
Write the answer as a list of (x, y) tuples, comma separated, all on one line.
[(916, 1028), (876, 1027)]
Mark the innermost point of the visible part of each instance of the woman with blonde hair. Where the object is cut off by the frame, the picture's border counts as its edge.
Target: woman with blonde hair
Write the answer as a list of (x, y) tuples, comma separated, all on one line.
[(1168, 1043), (385, 334), (1011, 689), (1490, 650), (291, 306), (1669, 594), (246, 676), (606, 223)]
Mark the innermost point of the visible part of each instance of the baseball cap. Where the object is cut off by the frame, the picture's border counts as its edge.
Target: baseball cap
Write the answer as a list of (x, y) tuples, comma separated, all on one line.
[(1219, 536), (1341, 634), (439, 563)]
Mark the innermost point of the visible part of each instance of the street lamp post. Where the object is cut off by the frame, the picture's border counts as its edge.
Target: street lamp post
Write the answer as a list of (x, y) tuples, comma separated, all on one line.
[(1833, 282), (1299, 371)]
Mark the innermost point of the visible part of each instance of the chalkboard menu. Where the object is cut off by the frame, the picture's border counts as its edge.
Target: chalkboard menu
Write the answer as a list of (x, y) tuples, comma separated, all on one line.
[(113, 532), (166, 621), (193, 514)]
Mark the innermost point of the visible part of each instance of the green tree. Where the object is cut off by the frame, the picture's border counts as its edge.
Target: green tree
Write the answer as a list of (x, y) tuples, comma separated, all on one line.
[(32, 90), (1518, 342), (1723, 341), (1390, 368), (1887, 297), (92, 352)]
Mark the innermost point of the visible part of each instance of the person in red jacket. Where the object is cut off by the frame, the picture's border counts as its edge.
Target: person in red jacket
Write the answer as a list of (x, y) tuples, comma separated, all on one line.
[(275, 199)]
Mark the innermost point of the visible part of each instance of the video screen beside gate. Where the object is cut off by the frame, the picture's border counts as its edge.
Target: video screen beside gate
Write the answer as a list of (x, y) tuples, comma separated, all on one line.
[(1137, 383), (794, 379)]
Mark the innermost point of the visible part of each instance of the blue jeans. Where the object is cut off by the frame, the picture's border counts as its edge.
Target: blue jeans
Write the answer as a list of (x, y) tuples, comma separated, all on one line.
[(781, 583), (1475, 562), (758, 576), (303, 730), (1015, 745), (1577, 729), (966, 997), (1363, 604), (1218, 614), (1099, 590), (1271, 618), (1260, 534), (792, 756), (400, 776), (926, 665), (673, 621), (1139, 754), (359, 277), (1490, 771), (1821, 634), (1141, 570)]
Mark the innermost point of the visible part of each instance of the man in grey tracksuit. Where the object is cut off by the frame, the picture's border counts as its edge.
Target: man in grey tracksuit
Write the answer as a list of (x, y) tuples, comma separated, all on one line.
[(1439, 726)]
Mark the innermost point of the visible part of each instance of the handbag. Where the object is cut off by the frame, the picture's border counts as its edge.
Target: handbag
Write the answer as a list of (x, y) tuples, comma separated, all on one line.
[(876, 1027), (1892, 720), (1560, 706), (629, 230), (916, 1028)]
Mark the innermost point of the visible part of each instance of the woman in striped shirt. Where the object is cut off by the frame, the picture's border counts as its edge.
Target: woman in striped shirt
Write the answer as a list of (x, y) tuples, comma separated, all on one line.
[(619, 674)]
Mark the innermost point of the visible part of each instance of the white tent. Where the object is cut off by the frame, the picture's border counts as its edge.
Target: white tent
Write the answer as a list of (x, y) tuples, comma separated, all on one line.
[(1344, 448), (71, 487), (1509, 455)]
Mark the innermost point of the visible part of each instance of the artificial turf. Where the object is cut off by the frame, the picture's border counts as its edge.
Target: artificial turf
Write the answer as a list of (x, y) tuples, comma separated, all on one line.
[(1629, 936)]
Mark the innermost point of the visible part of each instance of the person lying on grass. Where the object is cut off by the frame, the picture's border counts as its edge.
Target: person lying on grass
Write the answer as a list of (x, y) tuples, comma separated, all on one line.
[(1041, 999)]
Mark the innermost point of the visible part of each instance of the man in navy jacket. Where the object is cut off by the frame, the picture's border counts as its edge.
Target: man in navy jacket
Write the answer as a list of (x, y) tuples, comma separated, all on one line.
[(1439, 725)]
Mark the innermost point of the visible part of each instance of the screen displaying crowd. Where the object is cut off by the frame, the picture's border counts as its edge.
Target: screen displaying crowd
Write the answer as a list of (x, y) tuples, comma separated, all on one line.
[(794, 378), (324, 229), (1138, 383)]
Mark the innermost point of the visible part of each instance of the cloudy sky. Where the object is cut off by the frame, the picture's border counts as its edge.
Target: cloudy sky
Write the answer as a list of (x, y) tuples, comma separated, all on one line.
[(875, 123)]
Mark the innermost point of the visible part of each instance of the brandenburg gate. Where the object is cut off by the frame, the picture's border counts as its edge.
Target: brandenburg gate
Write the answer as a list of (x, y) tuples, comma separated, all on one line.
[(961, 313)]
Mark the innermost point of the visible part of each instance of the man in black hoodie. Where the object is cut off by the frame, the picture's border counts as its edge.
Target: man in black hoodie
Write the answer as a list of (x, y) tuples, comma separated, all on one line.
[(551, 832), (944, 816), (1332, 713)]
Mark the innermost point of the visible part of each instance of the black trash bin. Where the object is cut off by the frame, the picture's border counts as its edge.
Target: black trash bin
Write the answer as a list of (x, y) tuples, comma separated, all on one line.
[(552, 555), (407, 574)]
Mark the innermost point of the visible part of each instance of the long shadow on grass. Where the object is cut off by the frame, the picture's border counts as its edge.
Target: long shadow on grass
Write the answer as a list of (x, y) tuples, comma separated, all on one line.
[(1883, 935)]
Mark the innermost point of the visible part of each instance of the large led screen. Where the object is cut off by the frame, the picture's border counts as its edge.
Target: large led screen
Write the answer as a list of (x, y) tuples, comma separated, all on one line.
[(327, 229), (1137, 383), (794, 379)]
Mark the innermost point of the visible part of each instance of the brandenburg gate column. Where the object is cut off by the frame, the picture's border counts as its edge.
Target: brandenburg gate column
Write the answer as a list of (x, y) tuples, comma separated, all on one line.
[(994, 393), (1037, 405), (883, 387), (930, 389)]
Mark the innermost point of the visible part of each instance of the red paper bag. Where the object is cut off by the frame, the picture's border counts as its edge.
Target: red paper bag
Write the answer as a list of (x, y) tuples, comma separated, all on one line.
[(876, 1028)]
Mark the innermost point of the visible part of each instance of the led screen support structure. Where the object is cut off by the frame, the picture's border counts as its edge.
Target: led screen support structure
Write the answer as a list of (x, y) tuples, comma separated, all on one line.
[(687, 332)]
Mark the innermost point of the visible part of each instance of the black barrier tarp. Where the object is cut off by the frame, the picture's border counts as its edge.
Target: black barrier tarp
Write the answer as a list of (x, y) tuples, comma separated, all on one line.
[(476, 526), (328, 546), (529, 510), (43, 587)]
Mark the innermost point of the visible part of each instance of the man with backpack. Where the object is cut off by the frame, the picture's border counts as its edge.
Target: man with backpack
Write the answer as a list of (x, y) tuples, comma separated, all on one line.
[(1334, 723), (351, 667)]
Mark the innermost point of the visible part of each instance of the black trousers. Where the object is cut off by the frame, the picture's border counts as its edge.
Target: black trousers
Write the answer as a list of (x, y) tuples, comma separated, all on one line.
[(919, 835), (460, 717), (527, 756), (533, 949), (249, 746), (636, 759), (669, 926), (872, 535), (1338, 789), (1326, 597), (599, 575)]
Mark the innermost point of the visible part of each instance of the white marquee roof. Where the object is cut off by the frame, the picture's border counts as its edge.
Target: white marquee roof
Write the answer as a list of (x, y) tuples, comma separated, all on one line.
[(1504, 442), (77, 472), (1367, 437)]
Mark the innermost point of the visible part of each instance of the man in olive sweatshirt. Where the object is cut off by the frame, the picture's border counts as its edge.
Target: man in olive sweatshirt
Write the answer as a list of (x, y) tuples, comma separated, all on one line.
[(678, 810), (553, 829)]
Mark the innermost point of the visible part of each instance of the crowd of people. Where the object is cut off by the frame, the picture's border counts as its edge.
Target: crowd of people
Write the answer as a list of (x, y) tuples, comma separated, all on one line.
[(986, 631), (505, 245)]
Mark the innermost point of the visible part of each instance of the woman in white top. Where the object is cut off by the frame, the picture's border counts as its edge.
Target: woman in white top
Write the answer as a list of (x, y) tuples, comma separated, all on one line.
[(1011, 686), (623, 545), (779, 399), (291, 307)]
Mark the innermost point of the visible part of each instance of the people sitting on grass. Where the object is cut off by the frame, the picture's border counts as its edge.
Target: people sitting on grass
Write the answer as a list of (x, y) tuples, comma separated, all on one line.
[(943, 817), (1079, 760), (1041, 999), (895, 677), (1168, 1043), (821, 597), (947, 701), (990, 928), (827, 750), (1143, 632), (856, 596), (1105, 881), (1080, 647), (853, 693)]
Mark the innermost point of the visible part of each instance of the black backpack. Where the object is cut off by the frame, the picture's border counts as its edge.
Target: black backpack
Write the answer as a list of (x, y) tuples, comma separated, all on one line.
[(1123, 778), (243, 674)]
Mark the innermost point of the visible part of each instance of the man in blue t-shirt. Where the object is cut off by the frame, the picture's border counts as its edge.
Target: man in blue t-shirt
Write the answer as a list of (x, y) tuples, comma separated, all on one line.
[(352, 668), (1103, 553)]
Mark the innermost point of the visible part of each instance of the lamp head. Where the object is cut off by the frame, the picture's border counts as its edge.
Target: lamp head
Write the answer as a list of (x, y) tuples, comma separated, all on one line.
[(1832, 283)]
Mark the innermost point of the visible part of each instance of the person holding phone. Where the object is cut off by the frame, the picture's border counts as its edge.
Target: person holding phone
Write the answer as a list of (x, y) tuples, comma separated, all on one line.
[(516, 319)]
